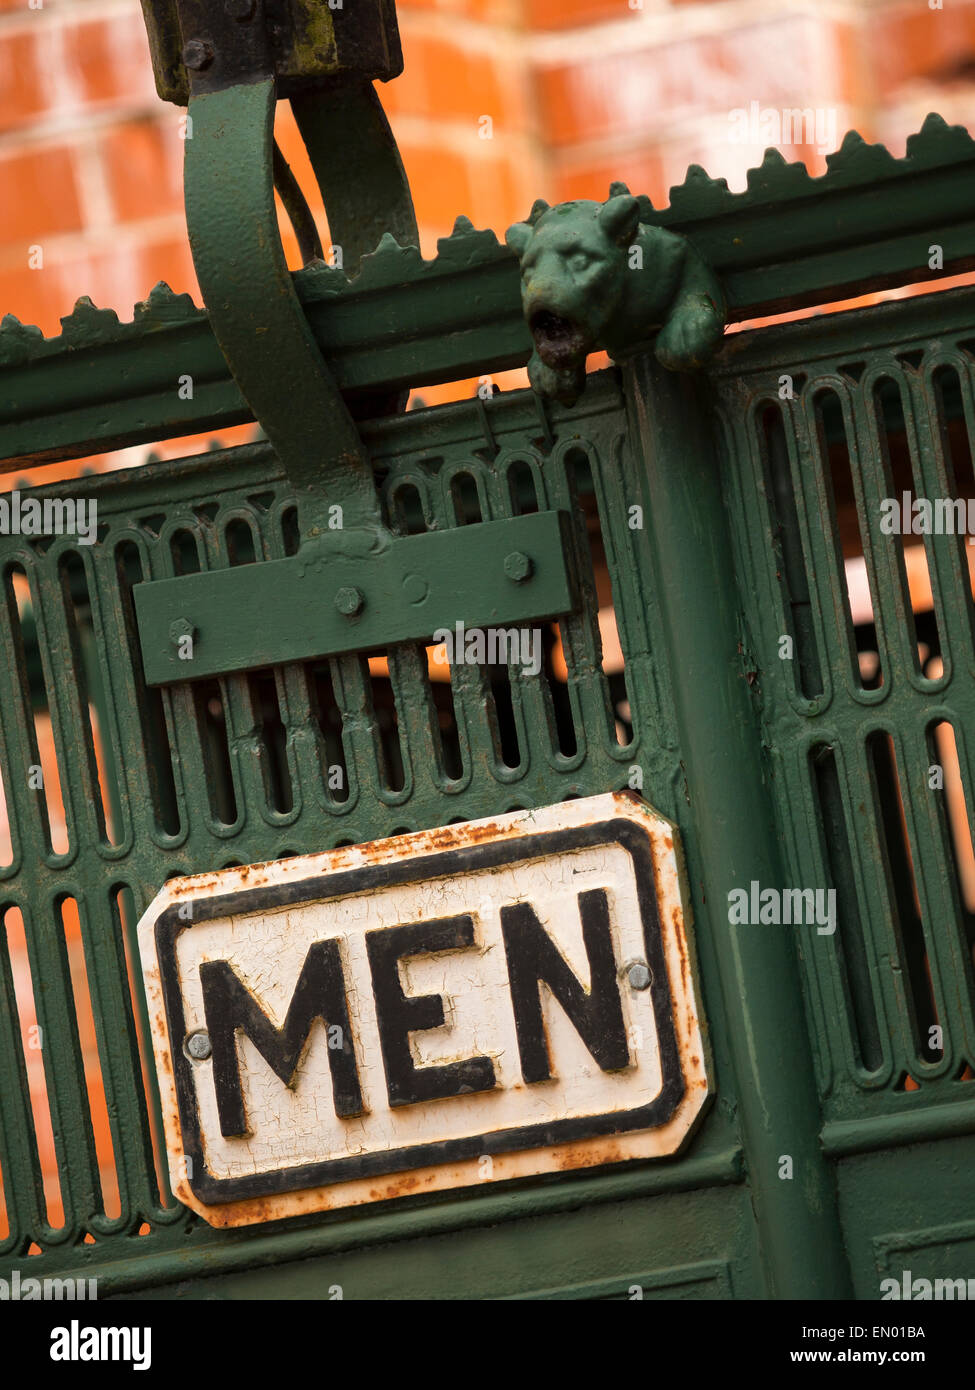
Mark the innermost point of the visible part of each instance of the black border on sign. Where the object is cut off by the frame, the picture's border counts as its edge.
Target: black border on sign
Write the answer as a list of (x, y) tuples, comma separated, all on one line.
[(448, 863)]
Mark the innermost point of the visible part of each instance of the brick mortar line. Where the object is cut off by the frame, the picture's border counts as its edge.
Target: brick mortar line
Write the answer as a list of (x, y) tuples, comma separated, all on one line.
[(700, 124), (67, 129), (54, 16), (59, 129), (95, 198), (460, 136), (61, 248), (646, 30), (467, 31)]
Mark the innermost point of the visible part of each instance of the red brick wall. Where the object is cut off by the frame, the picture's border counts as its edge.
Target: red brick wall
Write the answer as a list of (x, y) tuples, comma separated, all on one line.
[(577, 91)]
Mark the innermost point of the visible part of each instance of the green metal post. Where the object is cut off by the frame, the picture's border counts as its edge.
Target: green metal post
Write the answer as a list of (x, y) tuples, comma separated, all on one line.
[(731, 839)]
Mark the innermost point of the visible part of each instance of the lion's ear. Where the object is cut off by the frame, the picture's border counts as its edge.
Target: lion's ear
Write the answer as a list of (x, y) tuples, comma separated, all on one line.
[(539, 209), (619, 217), (518, 237)]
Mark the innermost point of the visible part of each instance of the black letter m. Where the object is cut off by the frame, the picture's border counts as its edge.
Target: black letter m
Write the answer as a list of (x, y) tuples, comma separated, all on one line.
[(229, 1006)]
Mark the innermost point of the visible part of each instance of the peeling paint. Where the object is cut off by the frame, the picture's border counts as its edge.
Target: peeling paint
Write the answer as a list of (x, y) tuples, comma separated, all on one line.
[(295, 1125)]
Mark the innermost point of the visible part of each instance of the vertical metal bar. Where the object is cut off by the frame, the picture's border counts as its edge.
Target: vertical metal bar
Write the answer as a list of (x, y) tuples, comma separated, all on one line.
[(410, 685), (64, 1068), (68, 709), (121, 1067), (26, 808), (360, 734), (23, 1187), (730, 837)]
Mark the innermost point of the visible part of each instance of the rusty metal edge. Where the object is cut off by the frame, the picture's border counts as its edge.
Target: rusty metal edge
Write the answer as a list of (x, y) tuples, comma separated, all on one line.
[(691, 1036)]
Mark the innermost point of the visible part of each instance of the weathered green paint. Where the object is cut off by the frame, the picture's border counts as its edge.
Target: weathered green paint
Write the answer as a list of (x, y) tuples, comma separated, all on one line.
[(787, 241), (360, 175), (289, 610), (426, 452), (593, 276), (867, 1048), (732, 836), (308, 40), (722, 737), (296, 206), (700, 1240), (256, 315)]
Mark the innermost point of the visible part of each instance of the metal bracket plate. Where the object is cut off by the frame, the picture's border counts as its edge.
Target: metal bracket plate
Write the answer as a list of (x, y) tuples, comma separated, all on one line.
[(324, 601)]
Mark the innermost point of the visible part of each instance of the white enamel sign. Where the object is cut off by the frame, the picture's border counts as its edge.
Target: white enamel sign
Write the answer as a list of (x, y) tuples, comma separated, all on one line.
[(468, 1004)]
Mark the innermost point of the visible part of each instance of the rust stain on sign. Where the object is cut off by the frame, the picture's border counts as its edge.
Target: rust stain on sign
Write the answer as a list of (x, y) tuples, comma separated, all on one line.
[(458, 1007)]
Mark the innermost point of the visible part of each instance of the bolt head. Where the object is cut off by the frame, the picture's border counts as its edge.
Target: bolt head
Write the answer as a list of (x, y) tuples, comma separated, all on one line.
[(180, 628), (518, 566), (198, 1045), (349, 601), (639, 975), (198, 54)]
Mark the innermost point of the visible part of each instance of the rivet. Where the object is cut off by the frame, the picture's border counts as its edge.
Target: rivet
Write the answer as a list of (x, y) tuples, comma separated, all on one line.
[(640, 975), (416, 588), (179, 629), (198, 54), (198, 1045), (349, 601), (518, 566)]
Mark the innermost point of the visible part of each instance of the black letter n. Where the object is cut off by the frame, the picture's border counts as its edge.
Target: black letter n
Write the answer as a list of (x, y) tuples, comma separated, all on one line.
[(596, 1013), (229, 1006)]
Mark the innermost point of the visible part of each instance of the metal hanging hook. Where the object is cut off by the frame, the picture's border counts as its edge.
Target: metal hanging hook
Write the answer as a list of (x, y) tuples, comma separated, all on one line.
[(230, 62)]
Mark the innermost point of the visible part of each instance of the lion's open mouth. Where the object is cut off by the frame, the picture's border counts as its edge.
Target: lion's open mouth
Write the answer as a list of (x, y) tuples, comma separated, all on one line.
[(558, 341)]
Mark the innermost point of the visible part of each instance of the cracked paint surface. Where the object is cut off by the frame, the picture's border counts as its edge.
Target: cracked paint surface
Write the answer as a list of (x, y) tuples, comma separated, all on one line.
[(291, 1126)]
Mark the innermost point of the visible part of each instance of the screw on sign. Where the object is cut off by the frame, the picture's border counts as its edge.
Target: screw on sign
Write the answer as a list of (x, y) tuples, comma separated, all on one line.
[(520, 987)]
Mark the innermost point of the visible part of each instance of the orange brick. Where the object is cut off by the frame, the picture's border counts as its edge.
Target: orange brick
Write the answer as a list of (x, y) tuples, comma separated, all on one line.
[(572, 14), (117, 281), (447, 80), (114, 278), (21, 93), (30, 296), (850, 63), (504, 13), (621, 93), (440, 182), (511, 198), (463, 84), (641, 170), (144, 166), (40, 196), (111, 58), (916, 41), (101, 62)]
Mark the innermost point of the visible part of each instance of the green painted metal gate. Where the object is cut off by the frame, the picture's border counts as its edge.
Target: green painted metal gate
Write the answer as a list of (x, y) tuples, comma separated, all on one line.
[(713, 514)]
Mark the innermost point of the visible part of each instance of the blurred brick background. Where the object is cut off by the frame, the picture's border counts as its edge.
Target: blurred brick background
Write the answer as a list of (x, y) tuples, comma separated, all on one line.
[(577, 91)]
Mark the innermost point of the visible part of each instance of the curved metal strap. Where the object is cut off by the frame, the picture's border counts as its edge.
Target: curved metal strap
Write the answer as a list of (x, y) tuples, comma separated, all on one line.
[(295, 205), (255, 312), (361, 176)]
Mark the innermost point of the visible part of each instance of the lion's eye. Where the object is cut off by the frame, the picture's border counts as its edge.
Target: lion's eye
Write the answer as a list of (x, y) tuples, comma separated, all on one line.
[(578, 262)]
